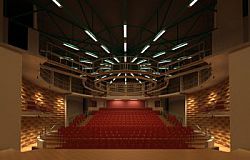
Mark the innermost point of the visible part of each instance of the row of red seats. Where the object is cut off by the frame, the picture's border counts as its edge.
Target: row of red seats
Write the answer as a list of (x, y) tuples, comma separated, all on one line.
[(128, 128)]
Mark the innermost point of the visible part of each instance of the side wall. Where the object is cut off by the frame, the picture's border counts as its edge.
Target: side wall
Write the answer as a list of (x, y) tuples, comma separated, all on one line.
[(74, 107), (229, 24), (240, 98), (207, 108), (10, 85), (177, 107), (150, 103), (38, 100)]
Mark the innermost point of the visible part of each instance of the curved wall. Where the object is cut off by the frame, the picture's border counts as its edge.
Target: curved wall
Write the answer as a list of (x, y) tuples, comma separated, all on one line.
[(209, 108)]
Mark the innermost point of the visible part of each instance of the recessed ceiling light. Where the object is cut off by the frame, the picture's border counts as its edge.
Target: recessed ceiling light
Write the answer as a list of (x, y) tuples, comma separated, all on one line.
[(165, 61), (159, 54), (134, 59), (125, 59), (74, 68), (159, 35), (163, 68), (141, 61), (109, 61), (145, 48), (147, 76), (71, 46), (125, 31), (125, 46), (179, 46), (85, 61), (192, 3), (91, 35), (105, 48), (88, 68), (57, 3), (105, 68), (116, 59), (91, 54)]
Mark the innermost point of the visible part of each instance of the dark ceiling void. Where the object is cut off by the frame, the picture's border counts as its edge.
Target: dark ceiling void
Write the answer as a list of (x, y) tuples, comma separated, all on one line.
[(105, 20)]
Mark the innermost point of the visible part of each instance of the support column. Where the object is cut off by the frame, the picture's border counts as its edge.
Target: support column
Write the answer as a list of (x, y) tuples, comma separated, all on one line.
[(1, 22)]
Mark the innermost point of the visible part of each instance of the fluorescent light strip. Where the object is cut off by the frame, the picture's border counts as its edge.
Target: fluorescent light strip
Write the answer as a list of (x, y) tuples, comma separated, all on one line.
[(179, 46), (118, 74), (104, 76), (71, 46), (125, 83), (88, 68), (146, 68), (132, 74), (159, 54), (91, 35), (94, 73), (105, 48), (114, 79), (137, 79), (165, 61), (159, 35), (154, 79), (57, 3), (125, 31), (134, 59), (192, 3), (125, 59), (85, 61), (109, 61), (67, 58), (139, 82), (105, 68), (184, 58), (125, 74), (91, 54), (147, 64), (116, 59), (74, 68), (156, 73), (110, 82), (145, 48), (163, 67), (125, 79), (125, 46), (146, 76), (142, 61)]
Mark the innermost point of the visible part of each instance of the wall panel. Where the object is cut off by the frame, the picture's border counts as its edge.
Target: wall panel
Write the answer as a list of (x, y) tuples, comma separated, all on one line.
[(209, 108), (39, 100)]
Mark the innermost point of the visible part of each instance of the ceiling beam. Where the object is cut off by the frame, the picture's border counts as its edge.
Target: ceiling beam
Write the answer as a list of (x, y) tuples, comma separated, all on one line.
[(111, 35)]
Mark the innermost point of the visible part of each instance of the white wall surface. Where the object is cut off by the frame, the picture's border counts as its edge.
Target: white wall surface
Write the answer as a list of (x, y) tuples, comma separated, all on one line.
[(239, 82), (10, 98)]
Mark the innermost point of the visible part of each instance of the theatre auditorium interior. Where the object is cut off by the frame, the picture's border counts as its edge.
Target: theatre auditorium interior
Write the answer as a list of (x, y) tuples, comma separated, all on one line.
[(124, 79)]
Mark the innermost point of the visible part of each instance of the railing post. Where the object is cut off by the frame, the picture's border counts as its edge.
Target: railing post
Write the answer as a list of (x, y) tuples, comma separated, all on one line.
[(53, 77), (70, 84), (181, 83), (198, 78)]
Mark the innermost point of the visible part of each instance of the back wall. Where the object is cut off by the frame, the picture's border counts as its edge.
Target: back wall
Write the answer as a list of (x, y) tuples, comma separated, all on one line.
[(125, 104)]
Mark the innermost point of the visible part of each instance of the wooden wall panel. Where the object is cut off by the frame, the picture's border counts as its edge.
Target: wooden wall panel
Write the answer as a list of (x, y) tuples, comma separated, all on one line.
[(208, 108), (39, 100)]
